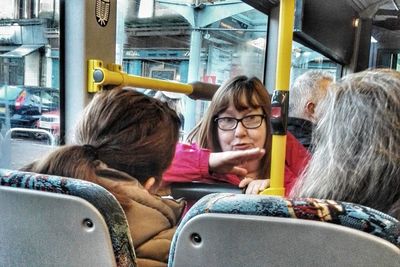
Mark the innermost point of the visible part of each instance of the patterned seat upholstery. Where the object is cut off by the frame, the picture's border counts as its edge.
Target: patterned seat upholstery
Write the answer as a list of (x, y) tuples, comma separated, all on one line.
[(340, 213), (99, 197)]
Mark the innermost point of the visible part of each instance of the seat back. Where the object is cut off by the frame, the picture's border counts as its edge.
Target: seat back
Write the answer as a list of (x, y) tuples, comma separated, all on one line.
[(17, 152), (57, 221), (241, 230)]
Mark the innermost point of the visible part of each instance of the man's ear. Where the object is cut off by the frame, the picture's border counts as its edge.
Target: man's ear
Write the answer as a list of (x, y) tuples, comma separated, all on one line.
[(309, 112), (150, 185), (310, 108)]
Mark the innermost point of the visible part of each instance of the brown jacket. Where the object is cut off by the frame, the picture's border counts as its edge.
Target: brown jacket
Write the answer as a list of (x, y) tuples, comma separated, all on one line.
[(152, 220)]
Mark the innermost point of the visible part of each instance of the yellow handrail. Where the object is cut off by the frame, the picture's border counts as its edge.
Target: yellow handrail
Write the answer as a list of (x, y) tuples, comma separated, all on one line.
[(99, 76), (285, 38)]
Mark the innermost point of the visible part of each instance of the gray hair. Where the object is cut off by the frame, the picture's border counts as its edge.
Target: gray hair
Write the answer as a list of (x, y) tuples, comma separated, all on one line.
[(357, 143), (174, 103), (307, 87)]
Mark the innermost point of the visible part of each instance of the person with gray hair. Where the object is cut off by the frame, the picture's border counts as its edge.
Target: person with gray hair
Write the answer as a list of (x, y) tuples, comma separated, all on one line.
[(174, 101), (357, 143), (307, 91)]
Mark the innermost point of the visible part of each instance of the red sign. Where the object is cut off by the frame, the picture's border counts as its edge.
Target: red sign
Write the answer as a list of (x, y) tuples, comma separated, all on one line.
[(209, 79)]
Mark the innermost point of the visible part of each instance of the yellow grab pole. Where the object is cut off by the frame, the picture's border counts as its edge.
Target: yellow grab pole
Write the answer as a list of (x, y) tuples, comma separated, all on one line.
[(99, 76), (280, 99)]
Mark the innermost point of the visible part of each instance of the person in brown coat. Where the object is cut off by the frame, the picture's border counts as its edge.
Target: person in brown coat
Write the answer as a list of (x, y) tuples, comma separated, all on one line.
[(124, 142)]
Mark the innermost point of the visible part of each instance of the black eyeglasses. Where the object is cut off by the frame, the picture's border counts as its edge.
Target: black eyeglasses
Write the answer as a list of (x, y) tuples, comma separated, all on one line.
[(249, 122)]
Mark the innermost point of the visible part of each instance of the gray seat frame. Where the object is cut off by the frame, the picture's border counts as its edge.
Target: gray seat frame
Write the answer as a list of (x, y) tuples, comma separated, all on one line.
[(47, 229), (215, 239), (85, 221)]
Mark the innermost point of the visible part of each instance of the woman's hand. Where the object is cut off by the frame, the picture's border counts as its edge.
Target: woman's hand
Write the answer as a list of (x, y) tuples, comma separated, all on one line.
[(229, 161), (254, 186)]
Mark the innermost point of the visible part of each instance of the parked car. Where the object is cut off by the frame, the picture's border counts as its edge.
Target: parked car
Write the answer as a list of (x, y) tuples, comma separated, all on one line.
[(22, 106), (50, 121)]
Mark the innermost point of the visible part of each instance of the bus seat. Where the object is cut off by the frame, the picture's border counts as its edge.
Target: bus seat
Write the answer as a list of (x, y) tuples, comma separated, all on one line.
[(56, 221), (251, 230), (193, 191)]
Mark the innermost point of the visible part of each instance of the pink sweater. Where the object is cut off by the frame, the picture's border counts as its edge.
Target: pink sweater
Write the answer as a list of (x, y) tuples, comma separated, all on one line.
[(190, 164)]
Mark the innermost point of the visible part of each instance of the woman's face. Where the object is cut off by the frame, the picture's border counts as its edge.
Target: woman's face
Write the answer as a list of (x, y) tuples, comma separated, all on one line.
[(242, 138)]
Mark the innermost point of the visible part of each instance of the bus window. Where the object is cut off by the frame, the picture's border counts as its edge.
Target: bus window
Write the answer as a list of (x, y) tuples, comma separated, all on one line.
[(209, 42), (304, 59), (29, 78), (398, 62)]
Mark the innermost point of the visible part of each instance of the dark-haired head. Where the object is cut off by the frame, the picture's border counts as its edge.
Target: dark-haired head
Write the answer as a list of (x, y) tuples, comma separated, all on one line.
[(131, 132), (123, 128)]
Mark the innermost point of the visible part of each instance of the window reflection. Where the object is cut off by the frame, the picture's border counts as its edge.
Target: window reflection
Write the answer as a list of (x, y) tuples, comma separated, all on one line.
[(398, 62), (179, 40), (29, 77), (304, 59)]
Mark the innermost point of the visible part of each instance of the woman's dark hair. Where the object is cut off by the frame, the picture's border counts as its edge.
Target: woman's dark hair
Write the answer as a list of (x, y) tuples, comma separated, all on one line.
[(122, 128)]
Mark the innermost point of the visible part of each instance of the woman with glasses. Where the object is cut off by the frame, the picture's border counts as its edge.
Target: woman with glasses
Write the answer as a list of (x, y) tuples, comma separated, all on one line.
[(232, 143)]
